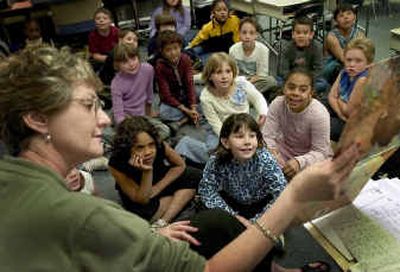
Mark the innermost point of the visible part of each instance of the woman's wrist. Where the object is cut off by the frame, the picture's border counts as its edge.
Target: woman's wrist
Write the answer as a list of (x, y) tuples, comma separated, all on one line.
[(283, 213)]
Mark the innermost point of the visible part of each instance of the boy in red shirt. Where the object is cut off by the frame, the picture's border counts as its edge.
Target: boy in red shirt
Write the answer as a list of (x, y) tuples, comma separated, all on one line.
[(103, 39)]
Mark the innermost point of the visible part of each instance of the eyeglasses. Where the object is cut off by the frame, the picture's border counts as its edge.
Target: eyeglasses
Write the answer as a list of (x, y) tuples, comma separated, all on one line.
[(92, 104)]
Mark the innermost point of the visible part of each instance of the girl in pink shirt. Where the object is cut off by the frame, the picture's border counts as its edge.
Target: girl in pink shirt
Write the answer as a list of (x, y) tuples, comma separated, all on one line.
[(297, 127)]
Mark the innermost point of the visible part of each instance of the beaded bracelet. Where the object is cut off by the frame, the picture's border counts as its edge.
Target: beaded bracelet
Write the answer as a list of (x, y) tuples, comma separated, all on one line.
[(266, 232)]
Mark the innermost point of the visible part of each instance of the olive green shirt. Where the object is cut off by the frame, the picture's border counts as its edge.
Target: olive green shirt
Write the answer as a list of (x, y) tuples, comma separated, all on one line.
[(45, 227)]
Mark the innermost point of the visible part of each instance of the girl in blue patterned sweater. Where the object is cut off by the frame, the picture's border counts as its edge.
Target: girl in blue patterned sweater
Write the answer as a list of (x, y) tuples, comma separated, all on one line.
[(242, 177)]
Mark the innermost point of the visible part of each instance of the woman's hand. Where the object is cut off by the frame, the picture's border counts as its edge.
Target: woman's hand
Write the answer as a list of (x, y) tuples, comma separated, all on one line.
[(137, 162), (180, 231), (324, 180)]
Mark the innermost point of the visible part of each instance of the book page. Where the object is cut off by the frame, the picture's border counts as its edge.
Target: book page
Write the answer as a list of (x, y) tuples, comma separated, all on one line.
[(380, 201), (371, 245)]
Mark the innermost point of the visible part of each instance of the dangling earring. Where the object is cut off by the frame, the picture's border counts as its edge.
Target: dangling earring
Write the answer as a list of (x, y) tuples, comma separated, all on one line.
[(47, 138)]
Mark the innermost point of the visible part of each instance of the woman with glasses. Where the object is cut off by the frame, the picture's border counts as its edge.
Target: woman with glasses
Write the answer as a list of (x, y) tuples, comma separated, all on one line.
[(51, 120)]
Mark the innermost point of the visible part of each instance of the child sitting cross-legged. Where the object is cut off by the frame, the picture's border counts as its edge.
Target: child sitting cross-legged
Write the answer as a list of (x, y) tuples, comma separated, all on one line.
[(242, 178), (174, 77), (225, 94), (163, 22), (179, 13), (347, 92), (132, 87), (126, 36), (337, 39), (103, 39), (217, 35), (252, 57), (297, 125), (303, 52), (151, 178)]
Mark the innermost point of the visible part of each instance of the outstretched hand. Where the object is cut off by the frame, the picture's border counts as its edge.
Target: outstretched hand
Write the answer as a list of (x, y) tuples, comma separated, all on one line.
[(324, 180), (180, 231)]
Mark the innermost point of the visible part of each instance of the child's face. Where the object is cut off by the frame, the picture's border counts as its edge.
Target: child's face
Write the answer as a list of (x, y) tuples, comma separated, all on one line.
[(242, 144), (302, 35), (130, 66), (248, 35), (102, 21), (167, 27), (145, 148), (33, 31), (172, 52), (130, 39), (355, 61), (222, 77), (298, 92), (345, 20), (220, 12)]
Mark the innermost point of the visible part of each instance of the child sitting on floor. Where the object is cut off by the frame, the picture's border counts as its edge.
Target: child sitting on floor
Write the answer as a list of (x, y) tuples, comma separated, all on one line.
[(242, 177), (174, 77), (337, 39), (151, 178), (217, 35), (347, 91), (297, 127), (176, 10), (252, 57), (163, 22), (103, 39), (304, 52), (132, 87), (126, 36), (225, 94)]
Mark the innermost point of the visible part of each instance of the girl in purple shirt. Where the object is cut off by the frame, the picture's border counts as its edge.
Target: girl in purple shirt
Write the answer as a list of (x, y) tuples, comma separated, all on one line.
[(132, 87)]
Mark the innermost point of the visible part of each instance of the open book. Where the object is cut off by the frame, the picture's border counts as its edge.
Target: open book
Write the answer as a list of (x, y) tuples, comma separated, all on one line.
[(364, 235)]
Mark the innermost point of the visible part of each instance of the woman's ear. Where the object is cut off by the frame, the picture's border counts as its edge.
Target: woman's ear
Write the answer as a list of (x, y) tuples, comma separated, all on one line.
[(224, 142), (36, 121)]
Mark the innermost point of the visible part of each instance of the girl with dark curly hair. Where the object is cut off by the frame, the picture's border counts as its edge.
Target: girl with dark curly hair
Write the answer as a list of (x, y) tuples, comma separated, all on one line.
[(151, 178)]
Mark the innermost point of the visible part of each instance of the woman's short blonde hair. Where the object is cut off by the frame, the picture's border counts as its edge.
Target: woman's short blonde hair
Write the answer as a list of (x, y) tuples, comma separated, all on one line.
[(214, 62), (38, 80), (365, 45)]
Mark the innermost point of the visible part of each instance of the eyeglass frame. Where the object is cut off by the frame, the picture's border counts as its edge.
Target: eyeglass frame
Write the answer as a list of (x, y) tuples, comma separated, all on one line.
[(94, 103)]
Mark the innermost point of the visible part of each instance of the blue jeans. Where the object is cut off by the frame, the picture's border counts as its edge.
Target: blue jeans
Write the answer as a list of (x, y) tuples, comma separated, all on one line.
[(170, 114)]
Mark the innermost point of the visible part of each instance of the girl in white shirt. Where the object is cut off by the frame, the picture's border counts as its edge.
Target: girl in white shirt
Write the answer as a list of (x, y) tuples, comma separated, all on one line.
[(226, 94)]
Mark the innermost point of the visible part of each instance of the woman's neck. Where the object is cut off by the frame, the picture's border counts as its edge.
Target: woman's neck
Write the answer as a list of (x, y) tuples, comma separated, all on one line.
[(40, 154)]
